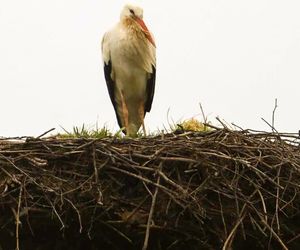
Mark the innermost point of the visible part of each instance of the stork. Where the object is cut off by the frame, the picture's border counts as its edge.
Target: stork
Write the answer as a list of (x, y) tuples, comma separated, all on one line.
[(128, 52)]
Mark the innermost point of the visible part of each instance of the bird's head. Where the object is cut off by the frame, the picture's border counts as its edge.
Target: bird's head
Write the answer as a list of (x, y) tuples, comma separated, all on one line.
[(134, 15), (131, 11)]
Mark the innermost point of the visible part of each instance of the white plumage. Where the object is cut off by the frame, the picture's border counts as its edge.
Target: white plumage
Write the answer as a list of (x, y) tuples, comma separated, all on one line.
[(128, 51)]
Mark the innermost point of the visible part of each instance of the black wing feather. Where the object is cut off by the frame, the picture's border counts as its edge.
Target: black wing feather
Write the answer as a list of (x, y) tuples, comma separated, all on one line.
[(111, 89), (150, 90)]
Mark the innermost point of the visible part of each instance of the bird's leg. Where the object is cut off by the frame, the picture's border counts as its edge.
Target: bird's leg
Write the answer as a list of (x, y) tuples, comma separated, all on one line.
[(142, 115), (124, 111), (144, 129)]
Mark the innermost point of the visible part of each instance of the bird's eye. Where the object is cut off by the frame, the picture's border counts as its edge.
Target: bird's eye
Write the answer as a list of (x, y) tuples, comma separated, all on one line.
[(131, 11)]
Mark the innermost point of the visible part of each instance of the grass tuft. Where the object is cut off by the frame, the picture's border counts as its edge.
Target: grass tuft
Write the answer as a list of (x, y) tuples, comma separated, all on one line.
[(192, 125), (84, 132)]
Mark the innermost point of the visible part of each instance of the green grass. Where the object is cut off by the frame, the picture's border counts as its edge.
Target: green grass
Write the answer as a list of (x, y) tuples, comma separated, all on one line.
[(84, 132), (99, 133)]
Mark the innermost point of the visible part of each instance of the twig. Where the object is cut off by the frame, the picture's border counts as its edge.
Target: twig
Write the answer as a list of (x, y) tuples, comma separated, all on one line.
[(168, 180), (203, 115), (277, 200), (274, 233), (78, 214), (222, 214), (48, 131), (222, 123), (143, 179), (294, 238), (95, 164), (230, 236), (18, 219), (273, 114), (273, 129), (57, 215), (145, 246), (263, 205)]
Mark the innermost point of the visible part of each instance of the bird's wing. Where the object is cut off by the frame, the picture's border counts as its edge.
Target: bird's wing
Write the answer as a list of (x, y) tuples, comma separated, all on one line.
[(151, 80), (150, 89), (108, 73)]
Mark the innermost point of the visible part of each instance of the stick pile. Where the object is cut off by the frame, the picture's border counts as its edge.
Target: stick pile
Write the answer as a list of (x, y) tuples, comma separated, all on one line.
[(221, 189)]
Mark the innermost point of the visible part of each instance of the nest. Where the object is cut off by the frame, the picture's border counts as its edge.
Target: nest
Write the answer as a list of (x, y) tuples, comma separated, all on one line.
[(220, 189)]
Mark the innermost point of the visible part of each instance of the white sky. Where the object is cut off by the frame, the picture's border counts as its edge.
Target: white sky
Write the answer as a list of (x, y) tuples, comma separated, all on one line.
[(234, 57)]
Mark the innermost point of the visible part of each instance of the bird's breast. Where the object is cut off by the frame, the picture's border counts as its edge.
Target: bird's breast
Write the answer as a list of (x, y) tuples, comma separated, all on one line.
[(131, 64), (129, 48)]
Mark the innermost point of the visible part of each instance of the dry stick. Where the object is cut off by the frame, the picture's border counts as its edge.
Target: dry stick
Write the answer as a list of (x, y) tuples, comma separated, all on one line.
[(20, 170), (273, 114), (78, 214), (273, 129), (85, 145), (171, 193), (164, 158), (95, 165), (203, 115), (78, 187), (277, 198), (293, 239), (18, 219), (274, 233), (16, 151), (263, 204), (222, 214), (230, 236), (256, 225), (128, 217), (119, 232), (289, 203), (266, 176), (56, 213), (151, 212), (92, 222), (48, 131), (12, 177), (144, 179), (222, 123), (169, 181)]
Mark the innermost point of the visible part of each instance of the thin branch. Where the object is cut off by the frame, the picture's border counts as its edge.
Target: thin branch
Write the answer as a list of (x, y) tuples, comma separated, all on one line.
[(273, 129), (273, 114), (274, 233), (233, 231), (18, 218), (147, 234), (48, 131)]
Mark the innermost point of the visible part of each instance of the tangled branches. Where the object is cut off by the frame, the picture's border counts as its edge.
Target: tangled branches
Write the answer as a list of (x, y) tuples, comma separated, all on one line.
[(221, 189)]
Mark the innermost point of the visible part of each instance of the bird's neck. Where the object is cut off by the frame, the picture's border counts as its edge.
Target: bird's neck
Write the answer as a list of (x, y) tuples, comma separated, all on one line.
[(130, 25)]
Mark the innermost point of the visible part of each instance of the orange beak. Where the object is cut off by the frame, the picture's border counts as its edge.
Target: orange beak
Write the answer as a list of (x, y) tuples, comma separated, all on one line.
[(145, 30)]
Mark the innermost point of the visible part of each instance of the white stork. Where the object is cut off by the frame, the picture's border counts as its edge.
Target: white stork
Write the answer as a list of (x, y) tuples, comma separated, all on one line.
[(128, 52)]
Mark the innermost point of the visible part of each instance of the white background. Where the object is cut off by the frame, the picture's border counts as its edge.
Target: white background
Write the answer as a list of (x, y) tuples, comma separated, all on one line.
[(234, 57)]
